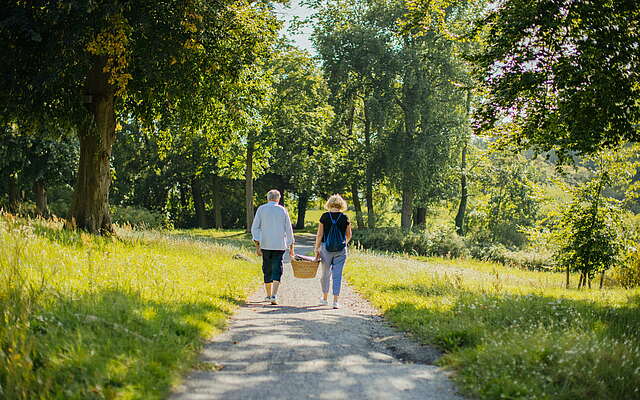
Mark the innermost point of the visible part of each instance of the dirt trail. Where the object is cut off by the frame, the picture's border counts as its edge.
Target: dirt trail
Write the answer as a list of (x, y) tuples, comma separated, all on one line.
[(300, 350)]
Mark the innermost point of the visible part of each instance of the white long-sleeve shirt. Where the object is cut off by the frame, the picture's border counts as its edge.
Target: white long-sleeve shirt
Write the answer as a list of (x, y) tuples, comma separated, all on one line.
[(272, 227)]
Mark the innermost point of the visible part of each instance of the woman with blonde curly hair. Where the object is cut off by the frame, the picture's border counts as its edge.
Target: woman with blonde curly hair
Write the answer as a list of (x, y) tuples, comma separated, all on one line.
[(334, 232)]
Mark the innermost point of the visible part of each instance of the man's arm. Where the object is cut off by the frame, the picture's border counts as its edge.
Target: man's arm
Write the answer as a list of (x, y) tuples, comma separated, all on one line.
[(288, 231), (256, 231)]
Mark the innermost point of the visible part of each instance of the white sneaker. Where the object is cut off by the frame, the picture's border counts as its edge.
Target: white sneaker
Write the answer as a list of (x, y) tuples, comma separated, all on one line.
[(274, 300), (323, 302), (267, 299), (336, 305)]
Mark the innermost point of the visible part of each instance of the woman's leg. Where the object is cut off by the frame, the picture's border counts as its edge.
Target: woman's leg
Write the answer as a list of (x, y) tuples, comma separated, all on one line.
[(326, 272), (336, 271)]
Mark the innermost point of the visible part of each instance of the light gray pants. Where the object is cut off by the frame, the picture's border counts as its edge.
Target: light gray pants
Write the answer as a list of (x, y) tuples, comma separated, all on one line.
[(332, 265)]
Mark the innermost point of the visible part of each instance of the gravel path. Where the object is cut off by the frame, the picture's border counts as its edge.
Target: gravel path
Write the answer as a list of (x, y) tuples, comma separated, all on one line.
[(300, 350)]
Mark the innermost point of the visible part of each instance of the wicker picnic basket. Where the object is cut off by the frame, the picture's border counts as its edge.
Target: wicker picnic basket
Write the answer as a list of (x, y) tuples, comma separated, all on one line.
[(304, 269)]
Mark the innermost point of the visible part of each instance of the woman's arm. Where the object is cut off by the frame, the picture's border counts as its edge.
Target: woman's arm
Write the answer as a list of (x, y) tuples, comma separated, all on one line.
[(348, 233), (319, 235)]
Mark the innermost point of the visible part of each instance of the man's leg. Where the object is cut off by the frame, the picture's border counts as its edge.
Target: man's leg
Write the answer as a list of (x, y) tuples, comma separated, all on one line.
[(266, 271), (276, 269)]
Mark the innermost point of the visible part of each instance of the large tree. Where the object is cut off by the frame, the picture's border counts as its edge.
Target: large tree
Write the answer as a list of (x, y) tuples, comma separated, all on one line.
[(80, 63), (356, 44), (565, 71), (299, 117)]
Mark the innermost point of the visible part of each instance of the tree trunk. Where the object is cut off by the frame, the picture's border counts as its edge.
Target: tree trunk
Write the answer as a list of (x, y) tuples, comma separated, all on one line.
[(198, 203), (14, 194), (407, 209), (368, 191), (281, 202), (464, 191), (303, 200), (580, 281), (90, 207), (40, 192), (356, 205), (601, 280), (217, 202), (462, 207), (371, 214), (248, 176), (420, 215), (567, 284)]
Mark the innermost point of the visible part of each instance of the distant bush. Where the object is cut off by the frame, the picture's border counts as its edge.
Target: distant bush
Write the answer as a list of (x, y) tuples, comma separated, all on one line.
[(627, 274), (444, 242), (438, 242), (138, 217), (524, 259), (60, 198)]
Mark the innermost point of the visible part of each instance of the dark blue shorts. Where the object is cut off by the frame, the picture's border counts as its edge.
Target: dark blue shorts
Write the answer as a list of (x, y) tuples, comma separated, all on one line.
[(272, 265)]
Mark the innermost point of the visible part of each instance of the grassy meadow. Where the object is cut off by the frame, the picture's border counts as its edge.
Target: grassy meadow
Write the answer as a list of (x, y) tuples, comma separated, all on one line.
[(85, 317), (510, 333)]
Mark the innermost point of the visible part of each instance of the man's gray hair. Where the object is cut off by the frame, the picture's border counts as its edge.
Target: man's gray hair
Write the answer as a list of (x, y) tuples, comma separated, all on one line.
[(273, 195)]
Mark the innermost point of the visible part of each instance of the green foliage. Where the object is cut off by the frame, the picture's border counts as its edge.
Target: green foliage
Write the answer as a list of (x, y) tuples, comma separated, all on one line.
[(627, 273), (167, 64), (591, 241), (590, 228), (510, 333), (565, 73), (108, 318), (162, 59), (298, 120), (397, 98), (29, 159), (509, 201)]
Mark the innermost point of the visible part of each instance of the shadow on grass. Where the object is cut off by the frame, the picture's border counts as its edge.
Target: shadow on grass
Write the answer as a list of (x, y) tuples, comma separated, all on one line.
[(110, 343)]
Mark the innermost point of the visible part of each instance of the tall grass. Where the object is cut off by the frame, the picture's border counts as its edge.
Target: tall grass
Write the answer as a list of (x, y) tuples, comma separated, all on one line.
[(84, 317), (510, 333)]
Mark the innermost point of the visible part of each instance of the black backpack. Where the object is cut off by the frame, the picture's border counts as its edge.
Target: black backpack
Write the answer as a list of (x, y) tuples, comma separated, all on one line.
[(335, 239)]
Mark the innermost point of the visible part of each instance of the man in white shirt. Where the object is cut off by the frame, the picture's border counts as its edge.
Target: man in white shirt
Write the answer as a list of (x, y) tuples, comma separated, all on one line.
[(272, 233)]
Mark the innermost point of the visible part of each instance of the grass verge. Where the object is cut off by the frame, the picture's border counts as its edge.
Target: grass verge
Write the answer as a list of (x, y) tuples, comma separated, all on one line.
[(85, 317), (509, 337)]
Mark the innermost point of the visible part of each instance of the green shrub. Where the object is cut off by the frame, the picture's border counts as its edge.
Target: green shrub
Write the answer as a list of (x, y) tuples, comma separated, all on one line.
[(60, 198), (524, 259), (138, 217), (442, 241)]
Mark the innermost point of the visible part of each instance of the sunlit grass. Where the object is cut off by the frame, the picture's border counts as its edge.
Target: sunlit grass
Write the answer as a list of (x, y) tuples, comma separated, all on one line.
[(85, 317), (511, 333)]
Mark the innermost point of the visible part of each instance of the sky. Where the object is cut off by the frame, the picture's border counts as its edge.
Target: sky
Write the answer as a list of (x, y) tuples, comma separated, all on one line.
[(287, 13)]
